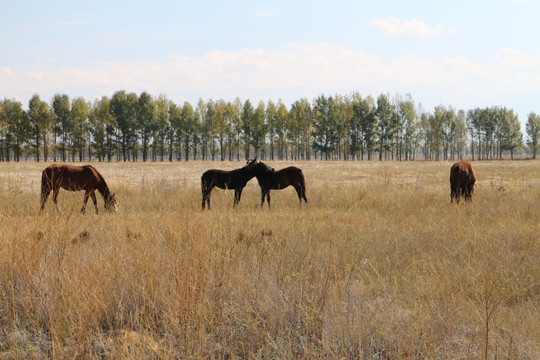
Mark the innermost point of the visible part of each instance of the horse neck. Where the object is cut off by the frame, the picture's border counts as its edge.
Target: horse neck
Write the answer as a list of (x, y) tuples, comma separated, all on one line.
[(103, 189), (263, 171), (250, 173)]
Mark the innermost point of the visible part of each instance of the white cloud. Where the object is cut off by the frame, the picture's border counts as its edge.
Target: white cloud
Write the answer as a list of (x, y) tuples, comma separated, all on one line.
[(6, 73), (515, 58), (295, 71), (396, 27), (266, 13)]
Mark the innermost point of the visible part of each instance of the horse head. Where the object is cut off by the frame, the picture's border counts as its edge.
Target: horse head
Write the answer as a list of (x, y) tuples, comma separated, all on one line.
[(263, 168), (111, 203), (252, 162)]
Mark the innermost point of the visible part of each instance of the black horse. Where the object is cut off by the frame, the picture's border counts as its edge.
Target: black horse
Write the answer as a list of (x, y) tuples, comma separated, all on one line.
[(234, 179), (270, 179)]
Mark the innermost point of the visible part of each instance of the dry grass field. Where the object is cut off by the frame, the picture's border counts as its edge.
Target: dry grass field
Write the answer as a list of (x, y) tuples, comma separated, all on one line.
[(378, 265)]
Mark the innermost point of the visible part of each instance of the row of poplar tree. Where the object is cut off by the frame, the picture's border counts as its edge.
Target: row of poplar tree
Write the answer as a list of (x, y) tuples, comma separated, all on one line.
[(133, 127)]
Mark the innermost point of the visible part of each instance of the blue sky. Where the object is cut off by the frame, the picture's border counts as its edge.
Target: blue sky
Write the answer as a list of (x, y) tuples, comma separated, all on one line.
[(455, 53)]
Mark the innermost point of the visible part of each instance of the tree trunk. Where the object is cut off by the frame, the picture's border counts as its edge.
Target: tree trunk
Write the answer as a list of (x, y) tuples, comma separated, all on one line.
[(37, 149)]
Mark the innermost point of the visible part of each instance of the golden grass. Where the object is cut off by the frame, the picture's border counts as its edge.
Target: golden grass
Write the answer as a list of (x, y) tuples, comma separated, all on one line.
[(378, 265)]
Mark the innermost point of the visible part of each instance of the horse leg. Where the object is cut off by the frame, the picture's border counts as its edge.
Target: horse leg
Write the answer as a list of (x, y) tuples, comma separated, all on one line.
[(56, 191), (471, 191), (45, 191), (304, 194), (237, 196), (206, 192), (268, 197), (299, 192), (263, 193), (93, 195), (86, 195), (206, 198), (468, 196)]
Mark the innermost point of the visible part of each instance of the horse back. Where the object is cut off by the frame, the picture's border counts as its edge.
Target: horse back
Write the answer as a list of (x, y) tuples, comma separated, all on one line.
[(280, 179), (462, 173), (71, 177), (223, 179), (294, 174)]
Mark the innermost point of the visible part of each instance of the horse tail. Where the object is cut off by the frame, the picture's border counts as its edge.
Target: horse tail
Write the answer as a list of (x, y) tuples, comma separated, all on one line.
[(202, 184), (302, 179), (206, 187), (46, 183), (205, 184), (302, 184), (43, 183), (454, 174)]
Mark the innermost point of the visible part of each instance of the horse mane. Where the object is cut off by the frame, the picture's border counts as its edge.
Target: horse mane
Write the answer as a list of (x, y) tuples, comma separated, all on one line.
[(240, 170), (250, 164), (266, 167)]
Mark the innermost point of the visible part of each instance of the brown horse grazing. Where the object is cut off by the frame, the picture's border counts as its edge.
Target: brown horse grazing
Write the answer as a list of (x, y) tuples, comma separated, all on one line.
[(462, 179), (234, 179), (269, 179), (75, 178)]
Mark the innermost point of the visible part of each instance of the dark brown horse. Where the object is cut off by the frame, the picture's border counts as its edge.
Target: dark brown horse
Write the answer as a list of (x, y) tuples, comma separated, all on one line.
[(229, 180), (75, 178), (269, 179), (462, 179)]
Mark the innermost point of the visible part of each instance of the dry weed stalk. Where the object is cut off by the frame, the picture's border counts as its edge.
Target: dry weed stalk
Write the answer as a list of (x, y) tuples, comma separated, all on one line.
[(369, 269)]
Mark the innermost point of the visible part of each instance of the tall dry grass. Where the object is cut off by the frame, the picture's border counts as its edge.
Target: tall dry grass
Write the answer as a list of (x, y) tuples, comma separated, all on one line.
[(378, 265)]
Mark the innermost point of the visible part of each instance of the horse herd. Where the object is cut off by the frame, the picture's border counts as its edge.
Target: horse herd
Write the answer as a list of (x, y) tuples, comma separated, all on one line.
[(267, 177), (87, 178)]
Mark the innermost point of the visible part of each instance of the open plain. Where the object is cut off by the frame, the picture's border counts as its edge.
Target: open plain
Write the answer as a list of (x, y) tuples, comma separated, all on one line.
[(378, 265)]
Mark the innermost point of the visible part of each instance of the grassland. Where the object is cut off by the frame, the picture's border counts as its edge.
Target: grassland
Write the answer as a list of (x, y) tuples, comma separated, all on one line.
[(378, 265)]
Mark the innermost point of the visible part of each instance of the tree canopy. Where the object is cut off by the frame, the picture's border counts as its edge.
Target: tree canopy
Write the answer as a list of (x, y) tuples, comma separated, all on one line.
[(129, 127)]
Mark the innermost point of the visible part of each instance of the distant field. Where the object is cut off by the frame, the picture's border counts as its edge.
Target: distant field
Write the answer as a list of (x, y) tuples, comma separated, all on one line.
[(378, 265)]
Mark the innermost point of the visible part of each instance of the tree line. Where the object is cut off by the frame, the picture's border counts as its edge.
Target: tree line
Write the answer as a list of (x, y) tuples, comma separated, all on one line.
[(131, 127)]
